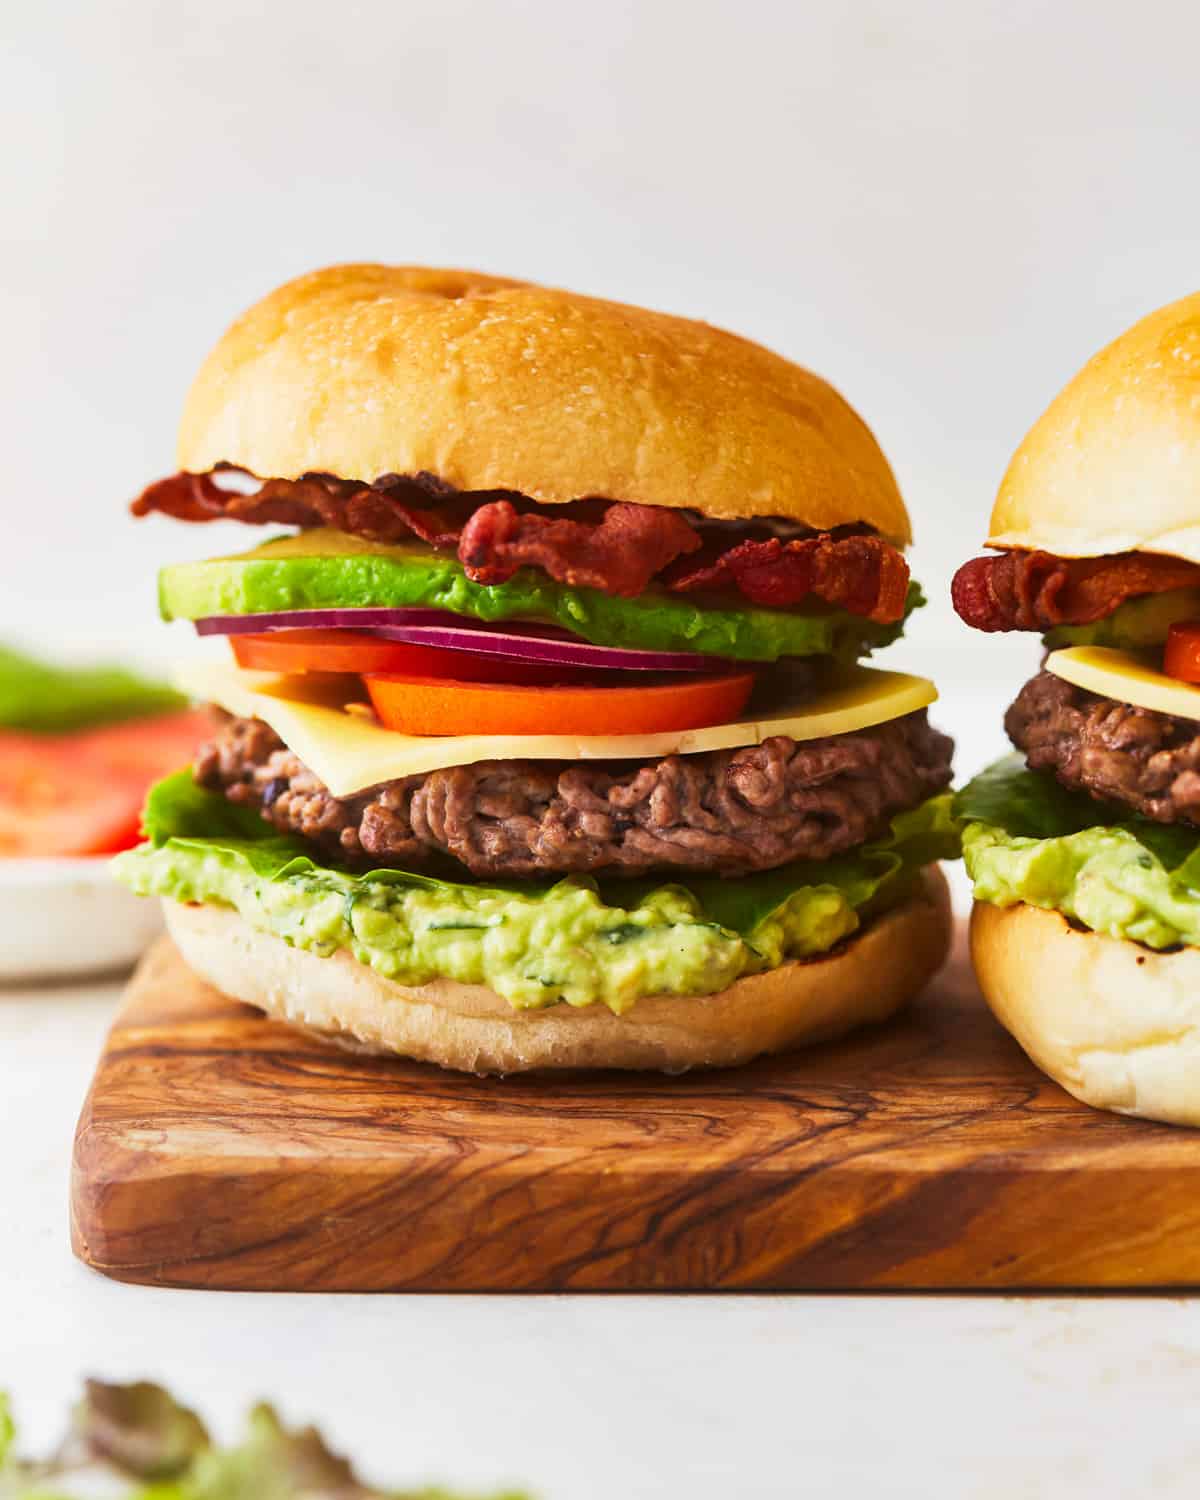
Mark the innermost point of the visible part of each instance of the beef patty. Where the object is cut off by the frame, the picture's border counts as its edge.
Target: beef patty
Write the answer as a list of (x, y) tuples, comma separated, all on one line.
[(1116, 751), (724, 811)]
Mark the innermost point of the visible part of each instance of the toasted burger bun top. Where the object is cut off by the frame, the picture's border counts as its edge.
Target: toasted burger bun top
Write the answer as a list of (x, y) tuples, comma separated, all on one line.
[(1115, 1024), (1114, 464), (361, 371)]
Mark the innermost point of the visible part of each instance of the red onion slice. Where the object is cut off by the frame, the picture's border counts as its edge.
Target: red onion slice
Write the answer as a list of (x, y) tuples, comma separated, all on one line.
[(322, 619), (432, 627)]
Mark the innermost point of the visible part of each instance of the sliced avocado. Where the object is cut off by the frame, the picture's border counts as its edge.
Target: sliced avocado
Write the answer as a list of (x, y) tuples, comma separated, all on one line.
[(329, 570), (1137, 622)]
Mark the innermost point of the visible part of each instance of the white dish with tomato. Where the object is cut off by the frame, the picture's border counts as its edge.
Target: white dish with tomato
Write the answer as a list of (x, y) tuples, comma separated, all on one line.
[(78, 749)]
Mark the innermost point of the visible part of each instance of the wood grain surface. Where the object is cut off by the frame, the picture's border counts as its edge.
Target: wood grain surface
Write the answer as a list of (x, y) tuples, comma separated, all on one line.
[(219, 1149)]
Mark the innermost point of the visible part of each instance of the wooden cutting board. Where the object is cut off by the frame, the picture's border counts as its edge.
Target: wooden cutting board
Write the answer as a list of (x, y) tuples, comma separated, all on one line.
[(219, 1149)]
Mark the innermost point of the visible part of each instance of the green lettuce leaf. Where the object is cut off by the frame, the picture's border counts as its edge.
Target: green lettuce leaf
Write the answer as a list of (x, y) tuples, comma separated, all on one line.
[(1028, 839), (44, 699), (8, 1430), (578, 940), (323, 569), (1028, 804), (138, 1428), (140, 1435)]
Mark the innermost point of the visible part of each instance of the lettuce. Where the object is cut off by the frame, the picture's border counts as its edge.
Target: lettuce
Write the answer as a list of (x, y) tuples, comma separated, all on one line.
[(577, 939), (139, 1436), (45, 699), (1028, 839)]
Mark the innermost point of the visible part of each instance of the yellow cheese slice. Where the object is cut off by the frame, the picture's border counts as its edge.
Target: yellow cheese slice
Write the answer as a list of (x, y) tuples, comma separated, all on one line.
[(351, 751), (1127, 676)]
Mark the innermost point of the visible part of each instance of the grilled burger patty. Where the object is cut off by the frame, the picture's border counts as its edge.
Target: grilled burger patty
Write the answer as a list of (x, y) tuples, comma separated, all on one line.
[(726, 811), (1149, 761)]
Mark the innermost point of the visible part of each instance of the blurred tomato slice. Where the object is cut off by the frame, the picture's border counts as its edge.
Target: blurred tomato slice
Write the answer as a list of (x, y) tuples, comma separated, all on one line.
[(52, 804), (82, 793)]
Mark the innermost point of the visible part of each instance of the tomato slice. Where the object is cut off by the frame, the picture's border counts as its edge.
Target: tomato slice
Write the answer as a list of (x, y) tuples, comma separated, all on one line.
[(143, 749), (1181, 659), (417, 705), (52, 804), (82, 793), (302, 650)]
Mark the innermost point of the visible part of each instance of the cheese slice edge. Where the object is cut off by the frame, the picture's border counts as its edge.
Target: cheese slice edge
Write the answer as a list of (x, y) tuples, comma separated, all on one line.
[(1126, 676), (350, 752)]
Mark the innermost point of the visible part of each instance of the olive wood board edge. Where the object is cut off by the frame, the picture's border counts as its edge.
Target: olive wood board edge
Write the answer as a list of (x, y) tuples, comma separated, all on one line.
[(220, 1149)]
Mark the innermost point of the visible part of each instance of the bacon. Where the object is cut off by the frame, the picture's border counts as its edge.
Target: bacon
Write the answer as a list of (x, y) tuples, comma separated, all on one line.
[(615, 547), (862, 574), (1037, 591), (382, 511), (620, 555)]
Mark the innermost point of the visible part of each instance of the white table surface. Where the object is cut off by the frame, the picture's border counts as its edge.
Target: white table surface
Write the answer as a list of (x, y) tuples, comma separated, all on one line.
[(593, 1398)]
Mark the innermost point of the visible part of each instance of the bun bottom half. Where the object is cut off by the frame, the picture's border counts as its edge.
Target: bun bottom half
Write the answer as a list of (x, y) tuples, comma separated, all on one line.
[(1116, 1024), (473, 1029)]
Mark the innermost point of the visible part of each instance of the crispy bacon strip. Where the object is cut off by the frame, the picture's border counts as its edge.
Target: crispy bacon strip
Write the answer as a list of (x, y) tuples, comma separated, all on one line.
[(1036, 590), (862, 574), (620, 555), (614, 547), (382, 512)]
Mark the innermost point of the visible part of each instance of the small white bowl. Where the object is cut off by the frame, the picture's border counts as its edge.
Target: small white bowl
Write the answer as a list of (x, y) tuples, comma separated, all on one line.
[(66, 918)]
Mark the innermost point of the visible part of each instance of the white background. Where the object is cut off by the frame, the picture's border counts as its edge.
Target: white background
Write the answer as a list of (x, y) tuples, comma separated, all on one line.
[(944, 208)]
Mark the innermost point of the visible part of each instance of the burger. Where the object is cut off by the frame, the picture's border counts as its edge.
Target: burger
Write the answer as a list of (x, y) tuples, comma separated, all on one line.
[(1084, 848), (546, 740)]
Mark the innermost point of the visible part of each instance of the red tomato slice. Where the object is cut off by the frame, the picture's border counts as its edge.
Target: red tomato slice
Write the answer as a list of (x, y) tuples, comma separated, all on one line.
[(52, 803), (82, 793), (300, 650), (415, 705), (1181, 659), (145, 749)]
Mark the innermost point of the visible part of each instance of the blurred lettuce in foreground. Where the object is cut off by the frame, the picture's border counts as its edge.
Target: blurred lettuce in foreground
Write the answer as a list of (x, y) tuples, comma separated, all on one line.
[(138, 1435)]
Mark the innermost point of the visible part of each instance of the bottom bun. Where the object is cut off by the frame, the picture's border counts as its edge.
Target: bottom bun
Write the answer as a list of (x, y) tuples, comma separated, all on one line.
[(470, 1027), (1115, 1024)]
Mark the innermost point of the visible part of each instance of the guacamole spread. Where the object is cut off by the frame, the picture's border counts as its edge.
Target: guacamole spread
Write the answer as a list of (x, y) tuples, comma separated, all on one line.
[(1026, 838), (576, 940), (323, 569)]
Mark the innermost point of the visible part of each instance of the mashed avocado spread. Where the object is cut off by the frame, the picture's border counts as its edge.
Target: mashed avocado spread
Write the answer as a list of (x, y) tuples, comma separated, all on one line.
[(578, 939), (1026, 838), (323, 569)]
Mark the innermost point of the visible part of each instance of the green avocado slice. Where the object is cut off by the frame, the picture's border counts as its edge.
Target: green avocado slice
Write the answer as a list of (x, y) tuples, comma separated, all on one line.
[(324, 569), (1140, 622)]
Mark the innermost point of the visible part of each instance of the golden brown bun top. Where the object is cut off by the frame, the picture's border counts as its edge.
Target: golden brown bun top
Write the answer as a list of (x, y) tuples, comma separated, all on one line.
[(361, 371), (1114, 464)]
